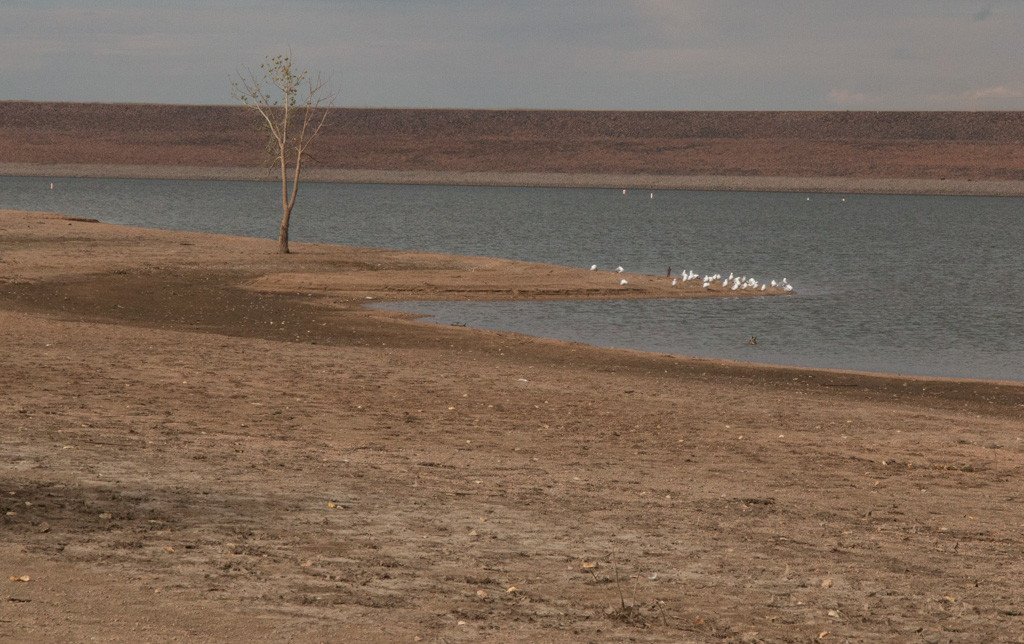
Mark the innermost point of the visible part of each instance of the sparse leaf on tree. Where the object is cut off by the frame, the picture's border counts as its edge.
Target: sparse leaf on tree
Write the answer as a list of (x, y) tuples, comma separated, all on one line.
[(294, 108)]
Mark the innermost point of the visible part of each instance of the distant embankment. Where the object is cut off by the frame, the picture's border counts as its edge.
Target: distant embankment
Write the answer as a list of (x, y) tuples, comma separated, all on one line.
[(923, 152)]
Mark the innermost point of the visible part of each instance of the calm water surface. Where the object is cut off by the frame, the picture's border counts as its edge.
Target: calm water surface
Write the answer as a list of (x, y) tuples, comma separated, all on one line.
[(913, 285)]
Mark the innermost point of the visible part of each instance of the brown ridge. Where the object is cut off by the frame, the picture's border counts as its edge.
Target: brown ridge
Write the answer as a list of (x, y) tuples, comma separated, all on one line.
[(972, 146)]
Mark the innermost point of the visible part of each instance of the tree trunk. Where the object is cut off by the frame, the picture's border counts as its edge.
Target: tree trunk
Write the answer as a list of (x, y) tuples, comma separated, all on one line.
[(286, 204), (282, 239)]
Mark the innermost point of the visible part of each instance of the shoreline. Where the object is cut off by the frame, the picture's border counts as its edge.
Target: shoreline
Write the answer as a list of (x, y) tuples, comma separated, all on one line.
[(831, 185), (439, 277), (434, 277), (205, 438), (837, 374)]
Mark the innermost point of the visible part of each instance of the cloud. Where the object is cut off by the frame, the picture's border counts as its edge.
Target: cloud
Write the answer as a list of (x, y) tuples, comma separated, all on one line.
[(582, 54), (164, 46), (844, 98), (995, 97), (999, 92)]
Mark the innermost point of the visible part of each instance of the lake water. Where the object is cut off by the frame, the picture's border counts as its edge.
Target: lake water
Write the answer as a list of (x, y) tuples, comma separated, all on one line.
[(899, 284)]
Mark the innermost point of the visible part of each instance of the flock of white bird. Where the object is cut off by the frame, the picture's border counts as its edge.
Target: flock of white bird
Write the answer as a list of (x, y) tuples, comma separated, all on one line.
[(733, 282)]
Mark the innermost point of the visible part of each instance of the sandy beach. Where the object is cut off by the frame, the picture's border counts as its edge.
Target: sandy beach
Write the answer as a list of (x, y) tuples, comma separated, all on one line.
[(207, 441)]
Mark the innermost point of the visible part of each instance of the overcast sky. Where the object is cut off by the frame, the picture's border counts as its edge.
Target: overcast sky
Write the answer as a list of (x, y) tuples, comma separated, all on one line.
[(578, 54)]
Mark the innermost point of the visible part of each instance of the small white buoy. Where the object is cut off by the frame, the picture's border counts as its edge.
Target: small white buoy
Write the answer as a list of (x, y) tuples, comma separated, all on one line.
[(652, 195), (51, 185)]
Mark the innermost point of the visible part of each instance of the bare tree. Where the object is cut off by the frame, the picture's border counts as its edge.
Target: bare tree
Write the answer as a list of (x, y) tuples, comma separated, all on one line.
[(294, 107)]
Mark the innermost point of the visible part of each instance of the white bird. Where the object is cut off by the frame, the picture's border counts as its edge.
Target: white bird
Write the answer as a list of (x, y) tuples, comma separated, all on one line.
[(764, 286), (619, 269), (623, 283), (673, 281), (789, 287), (707, 284), (594, 267)]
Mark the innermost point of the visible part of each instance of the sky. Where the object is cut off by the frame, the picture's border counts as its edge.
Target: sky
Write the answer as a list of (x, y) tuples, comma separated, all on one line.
[(530, 54)]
